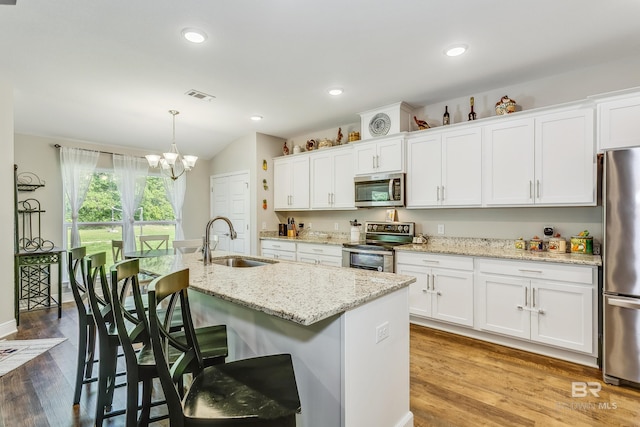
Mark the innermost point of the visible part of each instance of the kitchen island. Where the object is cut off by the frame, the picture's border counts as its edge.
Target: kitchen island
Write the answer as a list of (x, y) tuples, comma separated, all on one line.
[(346, 329)]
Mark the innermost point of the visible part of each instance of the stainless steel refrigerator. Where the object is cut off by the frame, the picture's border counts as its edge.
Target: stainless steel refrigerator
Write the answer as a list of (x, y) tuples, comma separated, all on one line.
[(621, 284)]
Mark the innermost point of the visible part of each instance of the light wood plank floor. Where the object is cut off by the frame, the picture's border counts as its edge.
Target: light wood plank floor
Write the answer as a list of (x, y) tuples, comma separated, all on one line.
[(455, 381)]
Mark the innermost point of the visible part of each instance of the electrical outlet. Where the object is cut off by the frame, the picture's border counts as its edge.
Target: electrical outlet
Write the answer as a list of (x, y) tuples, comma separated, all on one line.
[(440, 228), (336, 226), (382, 332), (264, 225)]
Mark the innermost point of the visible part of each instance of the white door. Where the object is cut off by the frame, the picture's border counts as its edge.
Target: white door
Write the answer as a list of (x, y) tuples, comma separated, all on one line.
[(321, 180), (230, 197), (453, 296), (343, 190), (419, 292), (562, 315), (503, 305), (424, 171), (462, 168), (390, 156), (565, 158), (508, 168)]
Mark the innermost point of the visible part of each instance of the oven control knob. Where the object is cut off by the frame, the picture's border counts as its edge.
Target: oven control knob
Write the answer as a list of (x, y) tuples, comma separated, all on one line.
[(380, 269)]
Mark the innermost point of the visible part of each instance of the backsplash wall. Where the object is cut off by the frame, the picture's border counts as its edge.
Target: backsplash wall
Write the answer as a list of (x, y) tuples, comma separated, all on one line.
[(501, 223)]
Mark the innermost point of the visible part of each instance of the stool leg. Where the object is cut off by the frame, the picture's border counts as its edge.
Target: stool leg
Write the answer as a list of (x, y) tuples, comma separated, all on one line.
[(91, 350), (106, 379), (145, 414), (82, 354)]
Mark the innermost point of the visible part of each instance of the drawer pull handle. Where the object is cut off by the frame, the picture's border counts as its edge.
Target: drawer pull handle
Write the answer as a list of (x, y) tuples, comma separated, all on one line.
[(431, 261), (317, 250), (276, 246), (522, 270)]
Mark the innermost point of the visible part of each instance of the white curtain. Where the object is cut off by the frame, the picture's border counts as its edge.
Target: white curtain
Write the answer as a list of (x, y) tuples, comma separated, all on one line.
[(77, 168), (175, 190), (130, 175)]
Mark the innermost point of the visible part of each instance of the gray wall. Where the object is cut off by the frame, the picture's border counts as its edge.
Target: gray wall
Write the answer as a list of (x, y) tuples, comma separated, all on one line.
[(7, 321)]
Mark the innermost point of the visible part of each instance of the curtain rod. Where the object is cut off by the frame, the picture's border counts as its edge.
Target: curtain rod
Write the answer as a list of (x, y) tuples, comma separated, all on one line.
[(99, 151)]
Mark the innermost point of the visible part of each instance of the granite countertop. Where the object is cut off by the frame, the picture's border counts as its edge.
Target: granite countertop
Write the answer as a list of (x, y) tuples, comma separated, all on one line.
[(299, 292), (496, 248), (321, 238)]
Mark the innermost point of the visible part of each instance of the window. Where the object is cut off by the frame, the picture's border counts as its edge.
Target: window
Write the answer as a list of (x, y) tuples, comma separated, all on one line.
[(100, 218)]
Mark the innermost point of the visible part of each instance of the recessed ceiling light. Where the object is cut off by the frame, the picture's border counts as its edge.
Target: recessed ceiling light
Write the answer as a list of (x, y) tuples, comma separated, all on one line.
[(456, 50), (256, 118), (335, 91), (194, 35)]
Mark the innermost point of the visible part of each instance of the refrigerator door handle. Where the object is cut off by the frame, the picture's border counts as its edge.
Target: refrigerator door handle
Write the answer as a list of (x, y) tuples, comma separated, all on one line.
[(625, 303)]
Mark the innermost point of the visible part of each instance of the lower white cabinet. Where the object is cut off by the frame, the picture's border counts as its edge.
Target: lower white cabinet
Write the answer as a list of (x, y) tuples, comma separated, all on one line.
[(277, 249), (320, 254), (444, 286), (545, 303)]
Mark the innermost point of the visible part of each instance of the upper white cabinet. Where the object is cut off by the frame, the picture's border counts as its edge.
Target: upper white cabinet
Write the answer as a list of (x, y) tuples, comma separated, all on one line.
[(543, 160), (291, 182), (380, 156), (618, 124), (332, 179), (445, 169)]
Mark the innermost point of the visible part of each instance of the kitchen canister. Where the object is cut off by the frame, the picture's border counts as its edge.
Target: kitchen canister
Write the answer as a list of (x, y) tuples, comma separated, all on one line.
[(557, 245), (581, 244)]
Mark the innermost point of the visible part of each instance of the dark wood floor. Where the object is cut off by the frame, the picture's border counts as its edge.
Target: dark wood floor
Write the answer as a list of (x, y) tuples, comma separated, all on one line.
[(455, 381)]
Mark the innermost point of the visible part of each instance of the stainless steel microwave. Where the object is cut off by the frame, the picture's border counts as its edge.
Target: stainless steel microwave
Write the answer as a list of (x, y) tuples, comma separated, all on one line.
[(379, 190)]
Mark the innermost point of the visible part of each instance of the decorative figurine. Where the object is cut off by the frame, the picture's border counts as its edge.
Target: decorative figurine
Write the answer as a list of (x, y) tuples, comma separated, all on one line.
[(421, 123), (472, 114), (506, 105), (311, 144), (285, 149), (339, 137)]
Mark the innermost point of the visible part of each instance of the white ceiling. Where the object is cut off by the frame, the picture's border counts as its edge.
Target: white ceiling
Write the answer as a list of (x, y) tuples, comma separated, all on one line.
[(107, 71)]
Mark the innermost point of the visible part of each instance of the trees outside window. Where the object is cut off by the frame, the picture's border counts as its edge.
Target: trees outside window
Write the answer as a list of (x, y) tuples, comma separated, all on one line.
[(100, 218)]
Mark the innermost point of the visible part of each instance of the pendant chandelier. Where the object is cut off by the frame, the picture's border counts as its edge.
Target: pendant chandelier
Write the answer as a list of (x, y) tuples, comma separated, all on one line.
[(172, 163)]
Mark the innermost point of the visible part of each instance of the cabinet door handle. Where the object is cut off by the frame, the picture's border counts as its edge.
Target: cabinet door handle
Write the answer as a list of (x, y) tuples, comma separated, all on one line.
[(533, 297), (424, 290), (538, 188), (318, 250), (531, 189), (276, 246), (442, 193), (329, 198), (333, 198), (377, 161), (526, 297), (438, 193), (433, 261), (522, 270), (373, 160)]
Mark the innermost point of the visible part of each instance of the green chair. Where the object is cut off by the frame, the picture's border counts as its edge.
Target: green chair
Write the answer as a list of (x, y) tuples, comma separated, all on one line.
[(259, 391), (86, 324), (132, 328)]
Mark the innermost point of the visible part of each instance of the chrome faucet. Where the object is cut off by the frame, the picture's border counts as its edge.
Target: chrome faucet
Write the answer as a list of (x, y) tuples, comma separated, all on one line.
[(205, 246)]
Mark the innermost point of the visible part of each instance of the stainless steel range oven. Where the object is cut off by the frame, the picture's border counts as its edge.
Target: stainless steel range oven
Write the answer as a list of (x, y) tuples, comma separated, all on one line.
[(376, 253)]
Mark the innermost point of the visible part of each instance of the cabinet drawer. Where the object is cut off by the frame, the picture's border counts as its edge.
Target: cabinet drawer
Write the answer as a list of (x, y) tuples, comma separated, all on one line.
[(435, 261), (536, 270), (279, 245), (310, 248)]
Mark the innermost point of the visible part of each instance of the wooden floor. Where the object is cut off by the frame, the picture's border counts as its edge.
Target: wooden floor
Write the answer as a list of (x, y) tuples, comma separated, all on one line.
[(455, 381)]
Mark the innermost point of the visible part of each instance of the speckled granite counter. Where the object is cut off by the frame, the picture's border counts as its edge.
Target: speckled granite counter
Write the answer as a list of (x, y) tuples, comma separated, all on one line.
[(338, 324), (495, 248), (299, 292), (321, 238)]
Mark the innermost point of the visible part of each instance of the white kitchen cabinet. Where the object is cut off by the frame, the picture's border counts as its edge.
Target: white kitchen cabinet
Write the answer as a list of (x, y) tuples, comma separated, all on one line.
[(291, 182), (444, 286), (545, 160), (545, 303), (332, 179), (319, 254), (380, 156), (618, 124), (278, 249), (445, 169)]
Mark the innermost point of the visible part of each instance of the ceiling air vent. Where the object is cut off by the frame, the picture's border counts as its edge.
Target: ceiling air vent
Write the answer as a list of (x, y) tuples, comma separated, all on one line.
[(199, 95)]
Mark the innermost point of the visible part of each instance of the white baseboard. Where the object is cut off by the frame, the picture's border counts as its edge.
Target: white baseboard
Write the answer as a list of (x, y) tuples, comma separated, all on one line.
[(407, 420), (7, 328)]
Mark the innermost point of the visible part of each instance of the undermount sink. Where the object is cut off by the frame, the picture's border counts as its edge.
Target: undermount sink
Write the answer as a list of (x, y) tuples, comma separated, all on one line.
[(238, 261)]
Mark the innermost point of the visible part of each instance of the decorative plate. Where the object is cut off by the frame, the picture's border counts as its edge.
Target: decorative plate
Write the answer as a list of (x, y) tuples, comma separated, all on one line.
[(379, 124)]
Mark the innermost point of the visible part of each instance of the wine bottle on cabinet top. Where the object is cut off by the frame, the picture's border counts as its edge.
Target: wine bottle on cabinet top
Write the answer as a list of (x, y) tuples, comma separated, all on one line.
[(445, 117), (472, 114)]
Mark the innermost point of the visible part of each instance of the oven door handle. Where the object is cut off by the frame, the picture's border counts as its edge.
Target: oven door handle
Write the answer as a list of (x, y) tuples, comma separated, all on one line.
[(364, 251)]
